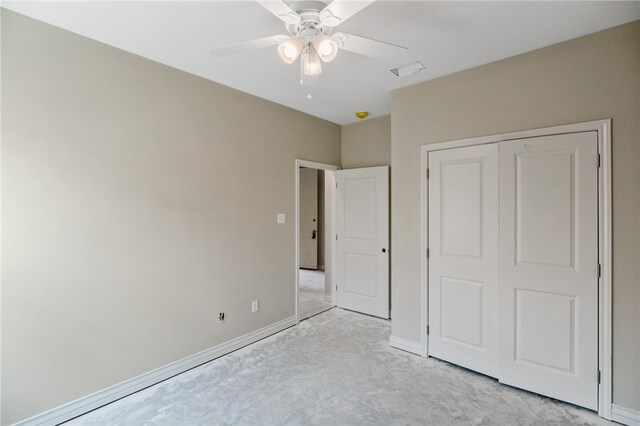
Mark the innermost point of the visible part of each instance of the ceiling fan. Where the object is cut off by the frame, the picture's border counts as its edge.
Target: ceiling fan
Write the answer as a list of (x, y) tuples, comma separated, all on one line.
[(310, 25)]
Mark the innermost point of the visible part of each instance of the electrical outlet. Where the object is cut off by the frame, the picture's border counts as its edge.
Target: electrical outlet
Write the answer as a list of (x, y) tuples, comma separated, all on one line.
[(254, 306)]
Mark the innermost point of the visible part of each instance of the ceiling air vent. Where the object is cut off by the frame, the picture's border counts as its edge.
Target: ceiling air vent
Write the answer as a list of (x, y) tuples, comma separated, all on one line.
[(407, 70)]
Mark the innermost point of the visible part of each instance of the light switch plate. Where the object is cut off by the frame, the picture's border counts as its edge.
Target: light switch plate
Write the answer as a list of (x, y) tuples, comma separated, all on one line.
[(282, 218)]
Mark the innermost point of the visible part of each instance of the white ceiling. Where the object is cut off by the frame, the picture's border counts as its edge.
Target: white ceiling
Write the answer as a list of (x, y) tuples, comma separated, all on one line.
[(445, 36)]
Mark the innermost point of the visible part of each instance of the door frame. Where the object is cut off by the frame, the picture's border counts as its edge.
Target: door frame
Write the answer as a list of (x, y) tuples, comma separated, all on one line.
[(603, 129), (330, 260)]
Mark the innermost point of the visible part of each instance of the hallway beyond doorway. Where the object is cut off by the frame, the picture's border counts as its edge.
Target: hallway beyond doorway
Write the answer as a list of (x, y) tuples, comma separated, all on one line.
[(312, 298)]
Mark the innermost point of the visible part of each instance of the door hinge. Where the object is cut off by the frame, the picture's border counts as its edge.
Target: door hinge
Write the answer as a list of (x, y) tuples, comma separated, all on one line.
[(336, 287), (599, 270), (427, 173), (599, 160), (599, 377), (336, 185), (427, 330), (427, 252), (336, 237)]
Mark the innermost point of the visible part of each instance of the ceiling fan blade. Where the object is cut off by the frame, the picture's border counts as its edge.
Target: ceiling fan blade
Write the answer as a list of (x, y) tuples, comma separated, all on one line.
[(339, 11), (281, 11), (249, 45), (396, 55)]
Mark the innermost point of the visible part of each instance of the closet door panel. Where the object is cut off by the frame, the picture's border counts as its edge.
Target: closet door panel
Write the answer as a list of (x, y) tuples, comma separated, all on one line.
[(463, 257), (549, 266)]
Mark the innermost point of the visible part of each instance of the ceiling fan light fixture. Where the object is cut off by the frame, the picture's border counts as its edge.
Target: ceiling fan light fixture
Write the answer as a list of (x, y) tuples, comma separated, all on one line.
[(309, 24), (326, 48), (311, 61), (290, 50)]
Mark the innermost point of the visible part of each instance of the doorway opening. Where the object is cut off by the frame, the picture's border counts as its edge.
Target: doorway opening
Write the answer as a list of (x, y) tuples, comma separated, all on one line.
[(313, 295), (315, 211)]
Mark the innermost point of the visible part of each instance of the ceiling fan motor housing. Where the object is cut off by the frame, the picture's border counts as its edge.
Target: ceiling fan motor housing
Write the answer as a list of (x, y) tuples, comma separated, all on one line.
[(309, 26), (308, 34)]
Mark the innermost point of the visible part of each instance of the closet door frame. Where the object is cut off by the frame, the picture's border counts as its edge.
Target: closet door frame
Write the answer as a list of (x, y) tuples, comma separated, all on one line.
[(603, 129)]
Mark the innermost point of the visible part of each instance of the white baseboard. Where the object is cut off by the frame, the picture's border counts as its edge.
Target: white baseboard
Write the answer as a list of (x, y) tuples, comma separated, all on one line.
[(625, 416), (87, 403), (406, 345), (313, 312)]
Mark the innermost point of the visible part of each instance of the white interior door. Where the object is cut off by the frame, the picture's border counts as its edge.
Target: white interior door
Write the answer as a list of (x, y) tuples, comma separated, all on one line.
[(308, 234), (463, 257), (549, 266), (362, 246)]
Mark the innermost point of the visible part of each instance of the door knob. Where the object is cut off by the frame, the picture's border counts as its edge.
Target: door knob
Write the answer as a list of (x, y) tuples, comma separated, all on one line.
[(313, 235), (384, 250)]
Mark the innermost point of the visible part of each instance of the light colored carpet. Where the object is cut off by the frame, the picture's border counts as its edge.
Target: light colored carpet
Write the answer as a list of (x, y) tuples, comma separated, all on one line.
[(334, 369), (311, 295), (311, 281)]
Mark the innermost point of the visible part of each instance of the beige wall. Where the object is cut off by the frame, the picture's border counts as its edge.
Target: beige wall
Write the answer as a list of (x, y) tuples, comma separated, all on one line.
[(367, 143), (593, 77), (138, 202)]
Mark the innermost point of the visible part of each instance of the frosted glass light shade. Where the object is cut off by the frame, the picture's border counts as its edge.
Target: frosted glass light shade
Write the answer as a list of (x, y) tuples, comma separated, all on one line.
[(290, 49), (311, 61), (326, 48)]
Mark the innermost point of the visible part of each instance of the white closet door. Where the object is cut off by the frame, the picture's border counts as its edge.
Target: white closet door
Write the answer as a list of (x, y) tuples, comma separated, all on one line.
[(549, 266), (463, 257), (362, 249)]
